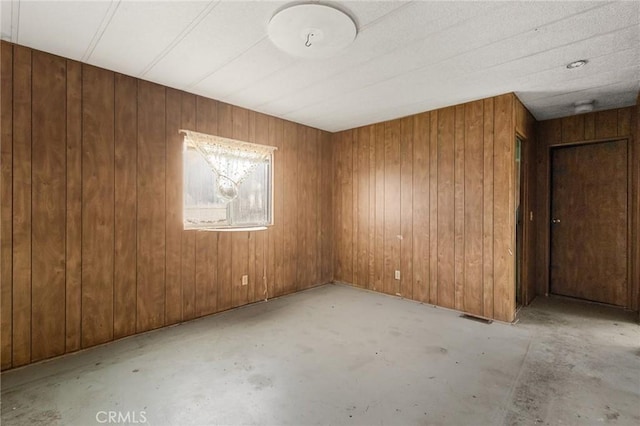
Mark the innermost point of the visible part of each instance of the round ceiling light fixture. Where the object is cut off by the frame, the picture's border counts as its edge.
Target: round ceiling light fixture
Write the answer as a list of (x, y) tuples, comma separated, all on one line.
[(311, 30), (577, 64)]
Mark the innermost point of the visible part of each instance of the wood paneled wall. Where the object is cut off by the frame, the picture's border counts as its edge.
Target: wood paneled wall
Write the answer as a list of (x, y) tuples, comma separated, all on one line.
[(432, 195), (93, 247), (602, 125)]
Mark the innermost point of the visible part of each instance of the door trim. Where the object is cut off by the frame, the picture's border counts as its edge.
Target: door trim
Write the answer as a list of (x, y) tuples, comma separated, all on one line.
[(547, 227)]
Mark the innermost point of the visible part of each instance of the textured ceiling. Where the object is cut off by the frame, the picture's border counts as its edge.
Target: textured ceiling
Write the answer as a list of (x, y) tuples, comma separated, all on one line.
[(408, 57)]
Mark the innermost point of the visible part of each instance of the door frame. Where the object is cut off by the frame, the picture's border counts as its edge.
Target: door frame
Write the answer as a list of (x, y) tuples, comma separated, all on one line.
[(527, 257), (546, 234)]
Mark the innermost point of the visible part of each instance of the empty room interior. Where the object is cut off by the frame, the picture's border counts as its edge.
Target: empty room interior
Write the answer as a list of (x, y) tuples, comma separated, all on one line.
[(320, 212)]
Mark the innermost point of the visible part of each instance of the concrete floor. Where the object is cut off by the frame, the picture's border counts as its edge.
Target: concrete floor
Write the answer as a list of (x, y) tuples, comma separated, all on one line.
[(343, 356)]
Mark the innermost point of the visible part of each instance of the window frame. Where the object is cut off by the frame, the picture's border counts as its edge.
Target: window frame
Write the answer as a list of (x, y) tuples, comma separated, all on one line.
[(270, 175)]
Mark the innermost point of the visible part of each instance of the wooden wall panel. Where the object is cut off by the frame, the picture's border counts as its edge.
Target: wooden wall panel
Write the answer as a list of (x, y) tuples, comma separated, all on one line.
[(446, 212), (421, 234), (406, 207), (275, 139), (188, 252), (93, 246), (597, 126), (21, 254), (433, 208), (503, 210), (173, 208), (391, 206), (434, 212), (151, 193), (241, 242), (207, 276), (290, 194), (74, 208), (379, 214), (459, 207), (125, 237), (473, 203), (224, 273), (262, 286), (363, 154), (326, 208), (97, 205), (6, 209), (635, 207), (48, 204), (487, 209)]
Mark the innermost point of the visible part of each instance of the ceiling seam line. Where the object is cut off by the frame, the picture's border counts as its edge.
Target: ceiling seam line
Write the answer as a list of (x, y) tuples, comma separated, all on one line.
[(195, 83), (104, 24), (180, 37)]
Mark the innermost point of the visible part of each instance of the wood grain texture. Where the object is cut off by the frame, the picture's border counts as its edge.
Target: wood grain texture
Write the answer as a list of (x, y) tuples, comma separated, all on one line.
[(74, 208), (21, 250), (327, 193), (589, 249), (473, 203), (224, 272), (290, 199), (433, 208), (391, 206), (173, 208), (487, 217), (363, 208), (459, 207), (97, 205), (107, 187), (125, 236), (406, 207), (207, 276), (188, 245), (430, 190), (421, 162), (503, 210), (379, 130), (263, 286), (240, 241), (6, 209), (48, 204), (598, 127), (275, 139), (151, 193), (446, 207)]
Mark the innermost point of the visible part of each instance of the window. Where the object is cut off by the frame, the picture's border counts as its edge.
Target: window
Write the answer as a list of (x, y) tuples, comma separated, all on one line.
[(227, 183)]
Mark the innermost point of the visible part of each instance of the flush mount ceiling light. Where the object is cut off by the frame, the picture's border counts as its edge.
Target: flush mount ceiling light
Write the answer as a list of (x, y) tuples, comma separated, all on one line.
[(311, 30), (583, 106), (577, 64)]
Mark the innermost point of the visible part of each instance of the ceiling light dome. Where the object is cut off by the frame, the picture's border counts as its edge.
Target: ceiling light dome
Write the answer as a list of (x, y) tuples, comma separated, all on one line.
[(311, 30)]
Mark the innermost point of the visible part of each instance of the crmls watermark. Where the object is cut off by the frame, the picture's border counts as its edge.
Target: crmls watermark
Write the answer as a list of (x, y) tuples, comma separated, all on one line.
[(115, 417)]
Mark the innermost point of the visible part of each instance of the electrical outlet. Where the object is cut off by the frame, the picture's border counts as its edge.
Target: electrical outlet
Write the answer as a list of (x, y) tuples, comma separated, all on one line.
[(245, 279), (397, 275)]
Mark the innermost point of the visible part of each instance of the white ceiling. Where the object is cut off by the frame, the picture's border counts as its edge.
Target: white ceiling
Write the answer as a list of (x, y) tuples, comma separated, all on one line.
[(408, 57)]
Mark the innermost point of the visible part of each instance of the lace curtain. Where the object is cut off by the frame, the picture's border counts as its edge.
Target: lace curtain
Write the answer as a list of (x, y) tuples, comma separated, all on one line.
[(231, 160)]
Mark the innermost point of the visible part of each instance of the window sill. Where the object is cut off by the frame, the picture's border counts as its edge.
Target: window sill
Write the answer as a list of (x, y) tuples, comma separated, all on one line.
[(230, 229)]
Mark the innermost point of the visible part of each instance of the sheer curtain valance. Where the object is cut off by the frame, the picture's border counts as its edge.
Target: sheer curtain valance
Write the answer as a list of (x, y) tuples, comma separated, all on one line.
[(231, 160)]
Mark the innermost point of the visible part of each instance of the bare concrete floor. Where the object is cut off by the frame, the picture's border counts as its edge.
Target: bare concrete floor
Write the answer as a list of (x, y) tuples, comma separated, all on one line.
[(342, 356)]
